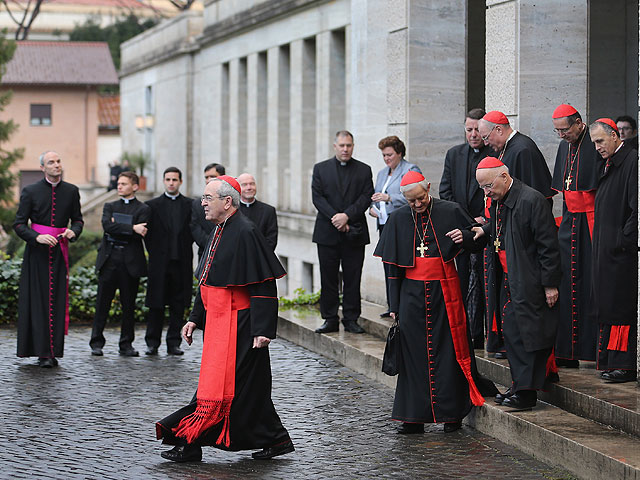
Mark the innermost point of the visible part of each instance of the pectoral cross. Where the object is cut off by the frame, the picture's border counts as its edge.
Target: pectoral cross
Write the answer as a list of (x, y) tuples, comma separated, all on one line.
[(422, 249), (568, 182), (497, 244)]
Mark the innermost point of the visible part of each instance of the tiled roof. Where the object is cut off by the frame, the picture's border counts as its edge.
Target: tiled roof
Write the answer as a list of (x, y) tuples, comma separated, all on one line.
[(109, 111), (61, 63)]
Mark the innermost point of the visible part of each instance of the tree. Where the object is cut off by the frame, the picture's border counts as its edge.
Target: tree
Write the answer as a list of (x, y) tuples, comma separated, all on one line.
[(115, 34), (7, 157), (23, 15)]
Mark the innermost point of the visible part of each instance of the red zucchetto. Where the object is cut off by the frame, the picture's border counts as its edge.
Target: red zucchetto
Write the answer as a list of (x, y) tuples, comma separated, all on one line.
[(494, 116), (564, 110), (489, 162), (231, 181), (609, 122), (411, 177)]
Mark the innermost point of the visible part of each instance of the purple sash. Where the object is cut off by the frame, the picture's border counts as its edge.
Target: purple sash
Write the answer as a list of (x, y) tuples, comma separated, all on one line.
[(64, 248)]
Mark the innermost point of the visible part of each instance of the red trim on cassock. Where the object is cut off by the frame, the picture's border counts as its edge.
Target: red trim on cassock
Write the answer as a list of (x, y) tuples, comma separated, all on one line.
[(433, 268), (619, 338), (581, 202)]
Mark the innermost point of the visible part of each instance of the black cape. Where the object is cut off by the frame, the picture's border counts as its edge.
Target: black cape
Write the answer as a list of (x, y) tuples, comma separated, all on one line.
[(527, 164), (41, 325), (242, 258)]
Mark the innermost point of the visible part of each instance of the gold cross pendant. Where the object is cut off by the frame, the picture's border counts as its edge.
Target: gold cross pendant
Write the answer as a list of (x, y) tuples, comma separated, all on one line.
[(497, 244), (422, 249), (568, 182)]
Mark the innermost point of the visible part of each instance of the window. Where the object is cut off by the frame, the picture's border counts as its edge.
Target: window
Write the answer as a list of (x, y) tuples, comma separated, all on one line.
[(40, 114)]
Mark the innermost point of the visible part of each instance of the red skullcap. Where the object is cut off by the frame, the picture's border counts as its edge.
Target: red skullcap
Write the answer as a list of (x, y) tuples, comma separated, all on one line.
[(609, 122), (495, 116), (564, 110), (411, 177), (489, 162), (231, 181)]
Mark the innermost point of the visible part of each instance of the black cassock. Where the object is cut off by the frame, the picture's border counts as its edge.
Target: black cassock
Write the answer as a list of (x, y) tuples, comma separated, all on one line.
[(243, 259), (576, 173), (41, 315), (432, 387), (265, 218), (615, 259), (528, 238), (527, 164)]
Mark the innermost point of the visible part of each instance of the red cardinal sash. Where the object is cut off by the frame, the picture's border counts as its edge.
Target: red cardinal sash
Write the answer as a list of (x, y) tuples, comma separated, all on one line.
[(581, 202)]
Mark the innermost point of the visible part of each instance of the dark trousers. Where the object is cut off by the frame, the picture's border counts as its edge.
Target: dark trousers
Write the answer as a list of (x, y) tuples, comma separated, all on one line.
[(330, 258), (114, 276), (155, 318)]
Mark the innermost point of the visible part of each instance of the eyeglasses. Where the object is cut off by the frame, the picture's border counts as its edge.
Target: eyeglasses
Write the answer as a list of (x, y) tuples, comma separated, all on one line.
[(486, 137), (489, 186), (562, 131), (210, 198)]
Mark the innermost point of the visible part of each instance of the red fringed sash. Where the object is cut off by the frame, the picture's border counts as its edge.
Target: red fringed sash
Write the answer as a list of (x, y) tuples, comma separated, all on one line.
[(619, 338), (216, 385), (433, 268)]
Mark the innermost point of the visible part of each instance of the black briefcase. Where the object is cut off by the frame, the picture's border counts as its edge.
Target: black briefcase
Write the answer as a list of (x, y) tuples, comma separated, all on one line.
[(392, 355)]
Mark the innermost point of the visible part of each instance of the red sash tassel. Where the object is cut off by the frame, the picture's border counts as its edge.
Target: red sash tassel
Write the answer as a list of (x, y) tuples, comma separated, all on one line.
[(551, 364), (433, 268), (216, 385), (619, 338)]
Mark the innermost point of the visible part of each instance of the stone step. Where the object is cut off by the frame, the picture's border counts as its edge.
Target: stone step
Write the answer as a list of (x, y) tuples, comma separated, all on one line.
[(550, 433)]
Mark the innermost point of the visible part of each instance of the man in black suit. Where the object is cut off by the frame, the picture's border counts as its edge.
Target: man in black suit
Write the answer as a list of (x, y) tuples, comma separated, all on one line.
[(262, 214), (121, 262), (341, 189), (200, 227), (458, 184), (169, 243)]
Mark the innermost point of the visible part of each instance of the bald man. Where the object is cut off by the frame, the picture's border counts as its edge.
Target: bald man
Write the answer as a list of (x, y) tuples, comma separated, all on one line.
[(261, 214)]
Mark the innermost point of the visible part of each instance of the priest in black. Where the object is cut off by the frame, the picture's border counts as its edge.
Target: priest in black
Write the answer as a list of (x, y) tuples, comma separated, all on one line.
[(53, 208), (200, 227), (615, 254), (458, 184), (260, 213), (121, 262), (232, 408), (169, 243), (576, 173), (526, 163), (419, 243), (525, 276)]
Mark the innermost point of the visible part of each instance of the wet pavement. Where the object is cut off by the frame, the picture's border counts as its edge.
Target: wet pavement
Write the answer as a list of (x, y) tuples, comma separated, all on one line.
[(93, 418)]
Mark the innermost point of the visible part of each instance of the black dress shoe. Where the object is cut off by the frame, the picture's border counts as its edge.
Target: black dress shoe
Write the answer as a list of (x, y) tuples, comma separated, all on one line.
[(452, 426), (352, 326), (327, 327), (128, 352), (386, 314), (619, 376), (183, 453), (270, 452), (500, 397), (46, 362), (563, 362), (500, 355), (410, 428), (174, 351), (97, 351), (151, 351), (521, 401)]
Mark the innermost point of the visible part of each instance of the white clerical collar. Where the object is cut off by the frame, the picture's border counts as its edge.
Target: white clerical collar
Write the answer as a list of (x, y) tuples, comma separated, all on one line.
[(248, 204), (476, 150), (51, 183), (172, 197), (619, 147), (127, 200), (513, 133)]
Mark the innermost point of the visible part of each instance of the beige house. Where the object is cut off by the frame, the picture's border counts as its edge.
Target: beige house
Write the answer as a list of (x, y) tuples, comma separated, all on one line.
[(55, 103)]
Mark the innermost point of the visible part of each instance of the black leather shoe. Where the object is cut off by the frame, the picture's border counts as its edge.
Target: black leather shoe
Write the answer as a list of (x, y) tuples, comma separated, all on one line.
[(327, 327), (520, 401), (352, 326), (619, 376), (500, 397), (452, 426), (183, 453), (386, 314), (267, 453), (129, 352), (174, 351), (410, 428), (97, 351), (47, 362), (563, 362), (151, 351), (501, 355)]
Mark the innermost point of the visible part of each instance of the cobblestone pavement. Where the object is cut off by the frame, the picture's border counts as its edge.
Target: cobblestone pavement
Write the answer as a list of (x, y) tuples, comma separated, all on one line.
[(93, 418)]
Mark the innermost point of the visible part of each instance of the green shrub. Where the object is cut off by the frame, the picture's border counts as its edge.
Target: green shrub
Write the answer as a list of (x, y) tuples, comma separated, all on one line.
[(87, 242), (9, 286), (302, 298)]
